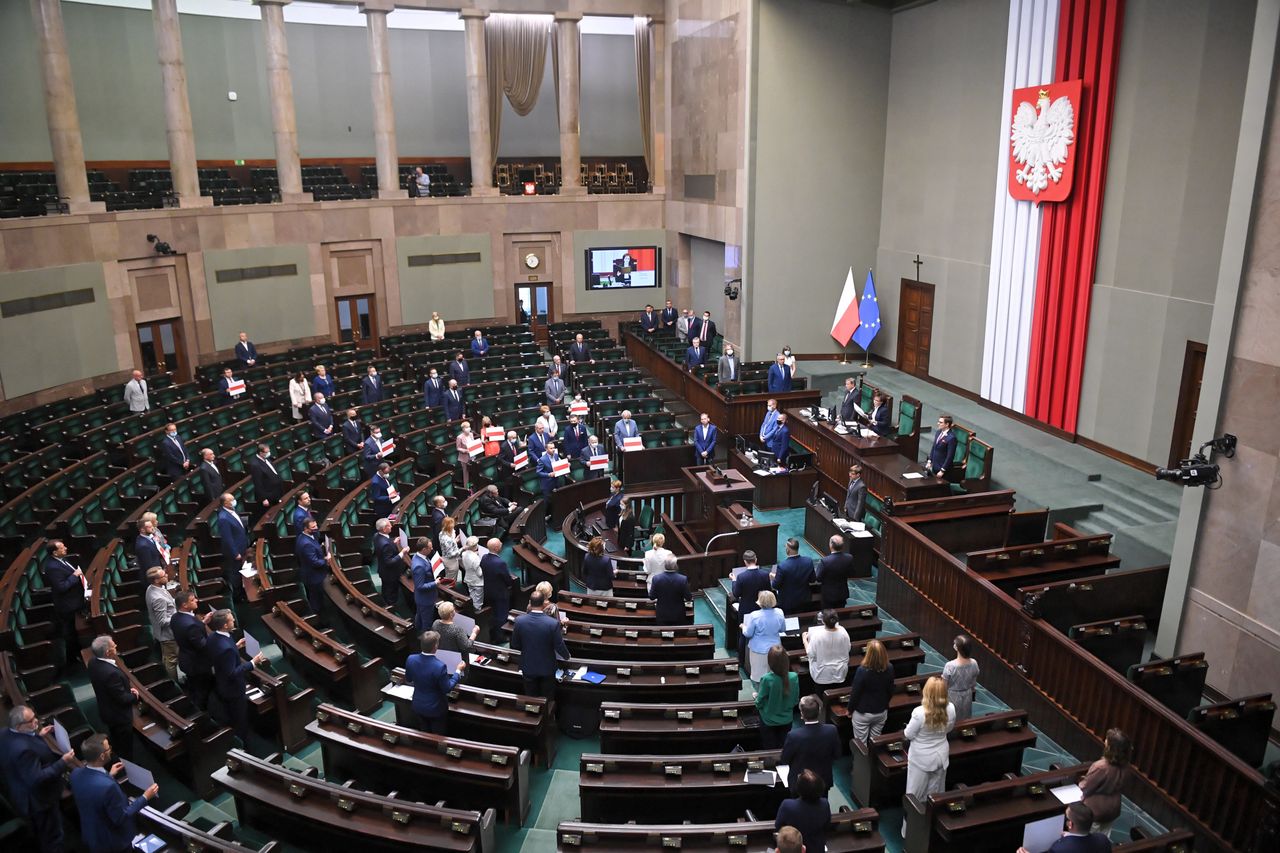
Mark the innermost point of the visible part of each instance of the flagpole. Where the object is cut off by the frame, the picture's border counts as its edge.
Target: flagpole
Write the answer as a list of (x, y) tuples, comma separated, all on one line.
[(866, 354)]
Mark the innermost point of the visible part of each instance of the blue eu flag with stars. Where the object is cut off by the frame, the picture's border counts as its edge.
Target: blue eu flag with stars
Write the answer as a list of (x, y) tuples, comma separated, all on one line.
[(868, 315)]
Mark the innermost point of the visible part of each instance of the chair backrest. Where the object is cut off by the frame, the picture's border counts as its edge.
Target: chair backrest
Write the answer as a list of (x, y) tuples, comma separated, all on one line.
[(908, 416)]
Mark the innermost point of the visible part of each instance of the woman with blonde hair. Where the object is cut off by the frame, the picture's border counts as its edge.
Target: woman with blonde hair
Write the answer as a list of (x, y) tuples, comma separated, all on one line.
[(930, 752), (871, 692), (491, 448), (549, 606), (452, 637), (450, 547), (435, 327), (655, 559), (471, 574), (464, 456), (763, 630)]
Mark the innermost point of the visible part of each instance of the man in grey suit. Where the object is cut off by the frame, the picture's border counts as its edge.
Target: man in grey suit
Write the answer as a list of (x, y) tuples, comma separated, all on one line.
[(160, 610), (555, 390), (136, 394), (855, 499), (730, 368)]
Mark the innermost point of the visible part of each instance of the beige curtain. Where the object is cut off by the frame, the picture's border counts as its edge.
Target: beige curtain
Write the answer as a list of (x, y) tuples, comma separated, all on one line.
[(644, 72), (517, 54)]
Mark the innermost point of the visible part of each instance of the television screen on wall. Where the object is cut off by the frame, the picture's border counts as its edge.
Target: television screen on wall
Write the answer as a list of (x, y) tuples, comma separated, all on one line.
[(626, 267)]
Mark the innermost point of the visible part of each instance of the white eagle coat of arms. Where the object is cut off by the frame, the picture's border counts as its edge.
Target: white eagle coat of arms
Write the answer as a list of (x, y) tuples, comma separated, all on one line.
[(1042, 148)]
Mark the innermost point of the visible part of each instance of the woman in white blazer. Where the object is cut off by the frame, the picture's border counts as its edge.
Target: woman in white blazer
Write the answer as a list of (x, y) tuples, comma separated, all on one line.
[(299, 394), (930, 752)]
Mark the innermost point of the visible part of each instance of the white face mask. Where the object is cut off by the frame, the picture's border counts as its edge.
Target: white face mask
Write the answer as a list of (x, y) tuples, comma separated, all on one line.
[(729, 353), (233, 503), (266, 454), (786, 352), (376, 435)]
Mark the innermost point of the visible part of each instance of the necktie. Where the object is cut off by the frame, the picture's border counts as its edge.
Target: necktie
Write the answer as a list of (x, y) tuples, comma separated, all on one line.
[(236, 517), (269, 465)]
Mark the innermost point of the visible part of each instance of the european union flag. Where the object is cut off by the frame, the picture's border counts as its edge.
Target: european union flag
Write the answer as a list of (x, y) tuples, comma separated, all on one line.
[(868, 315)]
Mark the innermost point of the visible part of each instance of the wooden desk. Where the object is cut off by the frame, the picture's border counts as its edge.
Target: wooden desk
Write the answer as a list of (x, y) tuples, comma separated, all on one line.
[(626, 727), (775, 491), (749, 535), (704, 490), (833, 453), (850, 832), (885, 475)]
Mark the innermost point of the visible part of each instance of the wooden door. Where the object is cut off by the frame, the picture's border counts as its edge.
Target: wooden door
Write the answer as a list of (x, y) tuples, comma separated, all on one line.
[(357, 323), (1184, 419), (163, 350), (534, 302), (915, 327)]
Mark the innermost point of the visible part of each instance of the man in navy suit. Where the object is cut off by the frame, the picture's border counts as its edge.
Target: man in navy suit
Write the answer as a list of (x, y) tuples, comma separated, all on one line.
[(649, 320), (224, 385), (302, 513), (424, 585), (695, 355), (540, 642), (458, 369), (780, 444), (593, 450), (546, 478), (380, 491), (855, 497), (943, 450), (439, 512), (849, 402), (751, 579), (371, 452), (371, 387), (813, 746), (580, 351), (670, 316), (670, 590), (352, 433), (312, 566), (114, 695), (497, 587), (834, 571), (210, 476), (173, 453), (33, 776), (1078, 838), (769, 424), (67, 584), (191, 634), (574, 438), (246, 351), (108, 821), (321, 418), (235, 545), (145, 549), (431, 682), (704, 441), (791, 579), (454, 401), (779, 375), (703, 329), (432, 390), (536, 443), (479, 346), (390, 559), (231, 673)]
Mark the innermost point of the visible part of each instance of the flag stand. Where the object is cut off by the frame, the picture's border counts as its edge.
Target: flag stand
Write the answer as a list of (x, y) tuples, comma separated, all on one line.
[(844, 354), (866, 359)]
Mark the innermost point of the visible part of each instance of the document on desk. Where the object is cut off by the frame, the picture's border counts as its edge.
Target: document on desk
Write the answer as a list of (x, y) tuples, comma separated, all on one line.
[(1068, 794), (761, 777), (762, 472), (400, 691), (914, 475)]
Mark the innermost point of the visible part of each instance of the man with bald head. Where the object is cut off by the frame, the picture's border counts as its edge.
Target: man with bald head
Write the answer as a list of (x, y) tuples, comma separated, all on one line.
[(137, 394)]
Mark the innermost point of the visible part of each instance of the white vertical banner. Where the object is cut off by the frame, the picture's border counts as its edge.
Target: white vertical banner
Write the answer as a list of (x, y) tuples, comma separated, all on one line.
[(1015, 232)]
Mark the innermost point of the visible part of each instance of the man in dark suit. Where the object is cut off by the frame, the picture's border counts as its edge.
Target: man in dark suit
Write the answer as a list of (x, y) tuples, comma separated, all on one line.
[(669, 317), (706, 330), (705, 435), (432, 390), (649, 320), (497, 587), (66, 582), (458, 370), (536, 443), (173, 453), (371, 451), (779, 375), (454, 401), (1078, 838), (791, 579), (371, 387), (695, 355), (943, 450), (546, 471), (540, 642), (380, 491), (574, 438), (33, 776), (425, 585), (439, 512), (492, 506), (580, 351), (813, 746), (231, 673), (780, 443), (235, 545), (268, 488), (191, 635), (849, 402), (479, 345), (855, 497), (352, 433), (321, 418), (246, 351), (879, 419), (210, 476), (301, 513), (313, 567), (431, 682), (391, 560), (507, 452), (593, 450), (669, 590), (751, 579), (145, 549), (115, 697), (834, 571), (108, 821), (224, 385)]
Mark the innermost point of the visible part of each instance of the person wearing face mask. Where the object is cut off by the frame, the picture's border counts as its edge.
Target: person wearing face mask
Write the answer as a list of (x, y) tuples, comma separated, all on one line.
[(321, 418), (704, 330), (268, 487), (789, 360), (432, 390), (371, 453), (174, 453), (371, 388), (779, 375), (730, 368), (769, 425), (352, 433), (234, 540)]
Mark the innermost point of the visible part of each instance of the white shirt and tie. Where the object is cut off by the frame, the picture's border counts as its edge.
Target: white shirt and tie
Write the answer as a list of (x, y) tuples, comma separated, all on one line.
[(178, 444)]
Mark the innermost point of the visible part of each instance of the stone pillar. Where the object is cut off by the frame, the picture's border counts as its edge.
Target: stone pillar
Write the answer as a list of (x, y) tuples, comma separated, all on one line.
[(658, 101), (177, 109), (284, 121), (478, 102), (384, 113), (60, 108), (570, 89)]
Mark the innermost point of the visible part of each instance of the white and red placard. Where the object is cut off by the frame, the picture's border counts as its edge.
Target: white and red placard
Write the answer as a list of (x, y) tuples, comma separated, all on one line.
[(599, 463), (494, 434), (1042, 141), (392, 493), (386, 448), (579, 408), (437, 566), (560, 467), (633, 442), (474, 446), (235, 387), (521, 460)]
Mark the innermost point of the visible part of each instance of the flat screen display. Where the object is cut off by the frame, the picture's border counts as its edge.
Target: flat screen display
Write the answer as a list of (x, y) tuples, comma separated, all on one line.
[(624, 267)]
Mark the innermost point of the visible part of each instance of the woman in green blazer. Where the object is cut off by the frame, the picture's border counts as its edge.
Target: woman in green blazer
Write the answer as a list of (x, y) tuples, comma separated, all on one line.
[(776, 700)]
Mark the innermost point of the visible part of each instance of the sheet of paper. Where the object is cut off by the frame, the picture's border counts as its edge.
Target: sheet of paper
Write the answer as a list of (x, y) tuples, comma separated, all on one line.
[(1068, 794), (466, 623), (251, 645), (784, 773), (403, 539), (138, 776), (914, 475), (733, 573), (449, 659), (1039, 835), (247, 570), (859, 410), (400, 691), (61, 738), (792, 623), (761, 777)]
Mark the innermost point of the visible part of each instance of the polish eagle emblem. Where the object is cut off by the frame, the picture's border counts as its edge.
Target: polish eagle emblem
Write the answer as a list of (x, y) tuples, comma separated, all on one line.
[(1042, 137)]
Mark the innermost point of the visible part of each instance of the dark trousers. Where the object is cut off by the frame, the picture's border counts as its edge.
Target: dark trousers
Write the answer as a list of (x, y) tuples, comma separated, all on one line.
[(70, 639), (121, 737), (315, 598), (434, 725), (390, 588), (234, 713), (424, 614), (540, 685), (46, 826), (234, 580), (771, 737), (382, 509), (199, 685), (501, 606), (833, 602)]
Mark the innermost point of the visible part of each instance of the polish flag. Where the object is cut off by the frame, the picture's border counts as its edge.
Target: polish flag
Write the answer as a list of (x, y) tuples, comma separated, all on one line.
[(846, 321)]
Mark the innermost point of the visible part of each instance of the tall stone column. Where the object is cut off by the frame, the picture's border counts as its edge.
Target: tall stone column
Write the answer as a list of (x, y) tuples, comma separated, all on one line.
[(284, 122), (60, 107), (177, 109), (570, 89), (658, 104), (478, 102), (384, 113)]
